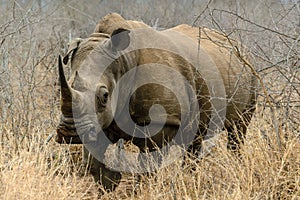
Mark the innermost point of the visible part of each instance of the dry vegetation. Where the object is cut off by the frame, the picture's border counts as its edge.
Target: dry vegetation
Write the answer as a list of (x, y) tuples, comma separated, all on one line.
[(34, 33)]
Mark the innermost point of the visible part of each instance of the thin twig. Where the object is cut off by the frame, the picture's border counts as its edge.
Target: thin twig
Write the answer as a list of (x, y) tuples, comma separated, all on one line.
[(268, 100), (258, 25)]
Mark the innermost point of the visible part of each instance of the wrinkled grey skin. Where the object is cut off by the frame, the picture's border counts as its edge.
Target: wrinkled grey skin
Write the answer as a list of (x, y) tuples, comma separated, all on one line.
[(97, 58)]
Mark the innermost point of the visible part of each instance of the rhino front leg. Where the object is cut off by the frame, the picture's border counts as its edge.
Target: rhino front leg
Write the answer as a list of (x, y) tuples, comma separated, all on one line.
[(107, 178)]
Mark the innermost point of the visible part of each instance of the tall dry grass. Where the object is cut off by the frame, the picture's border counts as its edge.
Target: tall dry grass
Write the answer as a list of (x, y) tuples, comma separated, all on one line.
[(51, 171)]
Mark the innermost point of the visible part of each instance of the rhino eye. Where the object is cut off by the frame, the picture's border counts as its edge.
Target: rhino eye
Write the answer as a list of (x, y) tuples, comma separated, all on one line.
[(102, 97), (105, 97)]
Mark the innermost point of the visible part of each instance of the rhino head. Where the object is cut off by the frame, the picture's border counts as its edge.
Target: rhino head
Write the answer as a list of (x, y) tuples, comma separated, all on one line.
[(86, 97)]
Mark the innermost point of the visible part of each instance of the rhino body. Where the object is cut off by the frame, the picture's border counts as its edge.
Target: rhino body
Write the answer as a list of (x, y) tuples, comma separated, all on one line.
[(99, 57)]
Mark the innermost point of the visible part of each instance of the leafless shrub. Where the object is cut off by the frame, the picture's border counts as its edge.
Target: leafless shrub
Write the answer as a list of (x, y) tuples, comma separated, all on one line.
[(270, 30)]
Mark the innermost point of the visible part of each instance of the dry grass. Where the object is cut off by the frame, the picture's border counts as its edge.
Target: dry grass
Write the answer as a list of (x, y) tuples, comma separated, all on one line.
[(39, 171)]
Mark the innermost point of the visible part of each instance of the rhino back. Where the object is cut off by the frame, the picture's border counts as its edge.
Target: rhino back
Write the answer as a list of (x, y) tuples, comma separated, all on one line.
[(237, 78)]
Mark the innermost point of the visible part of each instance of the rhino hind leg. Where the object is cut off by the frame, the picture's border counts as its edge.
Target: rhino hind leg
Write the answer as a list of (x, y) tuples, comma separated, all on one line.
[(237, 131), (193, 151), (195, 148), (236, 135)]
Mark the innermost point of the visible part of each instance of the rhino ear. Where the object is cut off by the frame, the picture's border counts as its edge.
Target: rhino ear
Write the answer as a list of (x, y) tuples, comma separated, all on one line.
[(120, 39), (73, 45)]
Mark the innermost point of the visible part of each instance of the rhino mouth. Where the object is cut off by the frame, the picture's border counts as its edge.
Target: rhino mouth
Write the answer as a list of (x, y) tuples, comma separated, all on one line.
[(68, 133)]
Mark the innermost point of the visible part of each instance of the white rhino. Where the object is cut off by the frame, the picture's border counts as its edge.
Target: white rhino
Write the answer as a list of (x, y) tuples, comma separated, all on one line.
[(203, 84)]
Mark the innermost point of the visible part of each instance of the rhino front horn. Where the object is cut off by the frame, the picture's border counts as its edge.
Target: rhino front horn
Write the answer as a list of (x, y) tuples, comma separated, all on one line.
[(66, 93)]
